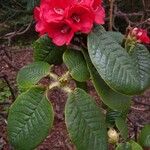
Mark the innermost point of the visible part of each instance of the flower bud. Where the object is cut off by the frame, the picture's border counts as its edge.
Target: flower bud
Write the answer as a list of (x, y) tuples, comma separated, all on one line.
[(113, 136), (140, 35)]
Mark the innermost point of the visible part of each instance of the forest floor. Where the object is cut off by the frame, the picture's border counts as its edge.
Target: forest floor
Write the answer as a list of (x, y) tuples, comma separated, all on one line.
[(58, 139)]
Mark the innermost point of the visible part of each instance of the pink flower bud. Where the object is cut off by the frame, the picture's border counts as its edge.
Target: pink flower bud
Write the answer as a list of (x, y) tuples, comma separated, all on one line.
[(140, 35)]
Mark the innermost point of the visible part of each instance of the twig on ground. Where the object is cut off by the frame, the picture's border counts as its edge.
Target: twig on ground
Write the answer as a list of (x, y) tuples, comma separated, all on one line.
[(10, 64), (7, 59), (135, 128), (3, 48), (140, 109), (141, 103)]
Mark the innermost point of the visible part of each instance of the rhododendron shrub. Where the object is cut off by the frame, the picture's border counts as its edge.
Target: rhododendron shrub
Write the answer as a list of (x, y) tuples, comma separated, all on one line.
[(118, 66)]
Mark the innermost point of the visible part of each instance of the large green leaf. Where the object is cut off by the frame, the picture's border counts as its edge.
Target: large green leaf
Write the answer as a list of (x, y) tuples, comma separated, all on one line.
[(122, 127), (31, 74), (30, 119), (85, 122), (45, 50), (76, 65), (144, 137), (114, 100), (128, 74)]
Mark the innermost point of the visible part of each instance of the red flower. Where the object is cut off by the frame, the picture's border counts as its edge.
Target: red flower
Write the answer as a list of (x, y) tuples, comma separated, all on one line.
[(84, 2), (40, 25), (98, 11), (80, 17), (60, 32), (62, 18), (96, 7), (53, 10), (140, 35)]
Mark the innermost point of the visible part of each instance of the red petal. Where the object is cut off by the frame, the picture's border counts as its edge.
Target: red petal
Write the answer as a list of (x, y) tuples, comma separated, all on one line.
[(100, 16), (37, 13)]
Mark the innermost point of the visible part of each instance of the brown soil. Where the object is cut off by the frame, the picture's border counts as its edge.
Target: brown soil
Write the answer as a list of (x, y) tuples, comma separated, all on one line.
[(58, 139)]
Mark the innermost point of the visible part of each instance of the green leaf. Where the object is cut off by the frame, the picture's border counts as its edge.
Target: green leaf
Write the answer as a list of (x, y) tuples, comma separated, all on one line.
[(141, 57), (112, 99), (135, 146), (76, 65), (32, 74), (117, 36), (31, 4), (124, 146), (122, 127), (45, 50), (144, 137), (111, 117), (85, 122), (30, 119), (132, 145), (126, 73)]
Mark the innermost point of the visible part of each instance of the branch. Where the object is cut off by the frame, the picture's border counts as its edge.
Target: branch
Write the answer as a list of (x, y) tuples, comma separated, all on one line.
[(75, 47), (121, 14), (111, 15), (21, 31)]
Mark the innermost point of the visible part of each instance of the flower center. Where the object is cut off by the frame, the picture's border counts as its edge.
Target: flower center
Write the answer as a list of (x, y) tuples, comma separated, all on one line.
[(59, 11), (76, 18), (65, 29)]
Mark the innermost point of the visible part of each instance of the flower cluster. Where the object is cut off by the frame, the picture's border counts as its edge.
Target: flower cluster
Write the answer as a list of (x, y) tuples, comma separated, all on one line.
[(140, 35), (61, 19)]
